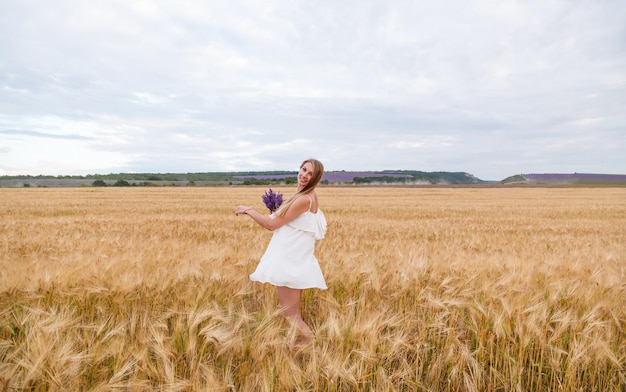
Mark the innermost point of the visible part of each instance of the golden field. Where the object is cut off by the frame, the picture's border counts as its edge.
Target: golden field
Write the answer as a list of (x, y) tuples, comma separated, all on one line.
[(430, 289)]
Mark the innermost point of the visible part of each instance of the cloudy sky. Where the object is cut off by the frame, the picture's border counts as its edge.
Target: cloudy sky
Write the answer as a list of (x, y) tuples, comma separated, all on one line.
[(489, 87)]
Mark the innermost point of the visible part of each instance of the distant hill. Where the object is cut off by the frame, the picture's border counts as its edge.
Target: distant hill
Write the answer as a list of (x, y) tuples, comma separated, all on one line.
[(395, 177), (566, 179), (409, 177)]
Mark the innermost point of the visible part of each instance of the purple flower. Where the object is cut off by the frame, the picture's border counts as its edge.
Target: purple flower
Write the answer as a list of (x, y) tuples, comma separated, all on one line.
[(272, 199)]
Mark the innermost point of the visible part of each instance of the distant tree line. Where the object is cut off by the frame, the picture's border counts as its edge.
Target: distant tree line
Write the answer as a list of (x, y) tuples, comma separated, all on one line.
[(133, 177), (102, 183), (265, 181), (252, 178), (420, 176), (116, 183)]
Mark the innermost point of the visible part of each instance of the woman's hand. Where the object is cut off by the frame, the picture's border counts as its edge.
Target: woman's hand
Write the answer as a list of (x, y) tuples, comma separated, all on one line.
[(242, 209), (271, 223)]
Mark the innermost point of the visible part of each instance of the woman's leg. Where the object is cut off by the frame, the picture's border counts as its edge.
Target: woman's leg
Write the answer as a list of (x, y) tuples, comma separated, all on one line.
[(290, 303)]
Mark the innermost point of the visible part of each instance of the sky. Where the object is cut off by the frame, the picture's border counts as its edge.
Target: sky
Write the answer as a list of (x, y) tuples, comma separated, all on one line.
[(493, 88)]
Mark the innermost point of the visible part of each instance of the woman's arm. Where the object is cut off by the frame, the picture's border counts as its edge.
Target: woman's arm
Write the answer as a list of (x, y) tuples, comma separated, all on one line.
[(299, 206)]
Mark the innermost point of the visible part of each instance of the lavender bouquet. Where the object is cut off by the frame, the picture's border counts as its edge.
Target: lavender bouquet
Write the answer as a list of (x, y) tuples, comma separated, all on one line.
[(272, 200)]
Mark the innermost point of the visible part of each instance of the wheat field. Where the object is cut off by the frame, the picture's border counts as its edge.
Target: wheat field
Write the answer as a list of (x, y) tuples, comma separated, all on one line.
[(430, 289)]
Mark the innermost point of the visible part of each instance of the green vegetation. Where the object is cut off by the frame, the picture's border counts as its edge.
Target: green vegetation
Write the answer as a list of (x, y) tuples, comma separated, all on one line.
[(414, 176), (513, 179), (408, 177), (218, 176), (99, 183)]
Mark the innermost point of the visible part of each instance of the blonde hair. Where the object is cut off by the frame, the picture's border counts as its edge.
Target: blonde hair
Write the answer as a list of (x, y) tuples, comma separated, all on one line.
[(318, 172)]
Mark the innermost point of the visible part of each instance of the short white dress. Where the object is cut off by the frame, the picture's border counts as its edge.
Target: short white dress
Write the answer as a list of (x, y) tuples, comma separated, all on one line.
[(289, 260)]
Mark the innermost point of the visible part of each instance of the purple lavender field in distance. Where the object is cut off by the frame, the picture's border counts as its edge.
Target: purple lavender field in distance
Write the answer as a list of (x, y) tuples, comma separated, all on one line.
[(331, 177), (266, 176), (400, 177), (576, 177), (349, 176)]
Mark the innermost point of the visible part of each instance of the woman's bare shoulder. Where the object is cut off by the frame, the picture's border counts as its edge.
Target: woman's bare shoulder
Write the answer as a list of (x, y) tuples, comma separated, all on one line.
[(301, 203)]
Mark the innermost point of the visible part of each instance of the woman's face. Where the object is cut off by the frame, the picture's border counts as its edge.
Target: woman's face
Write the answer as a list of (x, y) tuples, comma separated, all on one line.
[(305, 174)]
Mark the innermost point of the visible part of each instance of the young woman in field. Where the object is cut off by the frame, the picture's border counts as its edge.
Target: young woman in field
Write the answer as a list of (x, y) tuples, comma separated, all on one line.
[(289, 262)]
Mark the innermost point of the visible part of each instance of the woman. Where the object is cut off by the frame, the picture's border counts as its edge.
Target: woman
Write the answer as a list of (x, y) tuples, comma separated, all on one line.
[(289, 262)]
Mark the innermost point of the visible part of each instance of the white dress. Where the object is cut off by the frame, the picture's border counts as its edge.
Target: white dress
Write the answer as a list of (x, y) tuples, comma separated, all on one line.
[(289, 260)]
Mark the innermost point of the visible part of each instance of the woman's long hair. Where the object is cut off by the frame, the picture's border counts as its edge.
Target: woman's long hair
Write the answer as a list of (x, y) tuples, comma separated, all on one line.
[(318, 172)]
